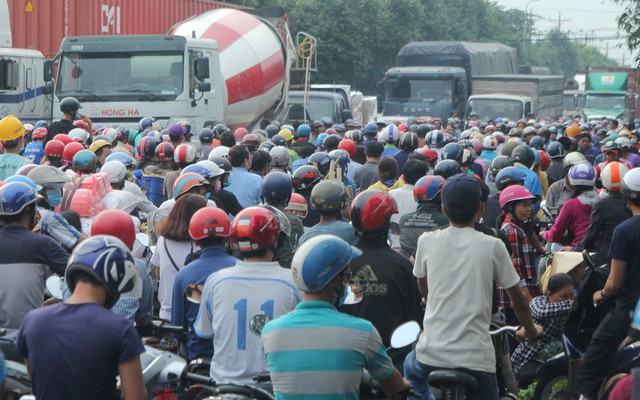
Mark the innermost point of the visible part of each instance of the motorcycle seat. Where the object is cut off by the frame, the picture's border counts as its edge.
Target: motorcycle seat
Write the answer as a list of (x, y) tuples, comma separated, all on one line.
[(448, 377)]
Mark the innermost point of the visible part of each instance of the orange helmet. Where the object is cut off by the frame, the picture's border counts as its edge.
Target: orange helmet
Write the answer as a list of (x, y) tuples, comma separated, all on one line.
[(573, 131)]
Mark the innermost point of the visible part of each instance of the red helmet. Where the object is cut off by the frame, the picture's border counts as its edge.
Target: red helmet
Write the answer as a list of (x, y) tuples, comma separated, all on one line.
[(147, 147), (63, 137), (254, 228), (39, 133), (252, 141), (209, 222), (165, 151), (184, 153), (348, 145), (371, 210), (403, 128), (115, 223), (54, 148), (240, 133), (70, 150), (545, 161), (81, 124), (297, 205)]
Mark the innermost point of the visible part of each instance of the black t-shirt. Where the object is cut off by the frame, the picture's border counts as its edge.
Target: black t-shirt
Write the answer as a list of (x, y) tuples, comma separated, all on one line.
[(62, 126), (391, 295), (492, 212), (625, 247), (228, 202)]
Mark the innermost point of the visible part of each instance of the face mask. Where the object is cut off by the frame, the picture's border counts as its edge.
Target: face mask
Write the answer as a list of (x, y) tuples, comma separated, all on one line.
[(228, 182), (54, 197), (339, 300), (217, 185)]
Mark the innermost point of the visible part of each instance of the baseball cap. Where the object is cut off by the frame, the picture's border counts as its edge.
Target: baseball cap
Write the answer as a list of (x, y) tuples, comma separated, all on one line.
[(176, 131), (461, 192)]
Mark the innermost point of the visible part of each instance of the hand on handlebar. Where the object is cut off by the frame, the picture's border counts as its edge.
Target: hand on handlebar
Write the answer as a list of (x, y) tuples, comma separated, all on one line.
[(523, 335)]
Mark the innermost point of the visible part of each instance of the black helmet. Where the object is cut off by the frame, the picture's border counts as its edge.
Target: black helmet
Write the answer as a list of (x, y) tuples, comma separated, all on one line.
[(305, 177), (499, 163), (423, 130), (523, 155), (331, 142), (453, 151), (447, 168), (409, 141), (329, 196), (223, 163), (69, 105), (555, 150), (219, 129)]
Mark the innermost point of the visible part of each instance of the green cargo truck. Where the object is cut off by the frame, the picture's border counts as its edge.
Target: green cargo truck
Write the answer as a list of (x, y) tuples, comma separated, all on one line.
[(611, 94)]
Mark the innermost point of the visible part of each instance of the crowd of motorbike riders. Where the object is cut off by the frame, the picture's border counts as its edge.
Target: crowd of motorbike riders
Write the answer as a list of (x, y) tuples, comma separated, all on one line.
[(448, 223)]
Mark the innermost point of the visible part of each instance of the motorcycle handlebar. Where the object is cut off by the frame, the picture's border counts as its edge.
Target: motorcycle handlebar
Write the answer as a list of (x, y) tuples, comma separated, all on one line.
[(199, 379), (262, 378)]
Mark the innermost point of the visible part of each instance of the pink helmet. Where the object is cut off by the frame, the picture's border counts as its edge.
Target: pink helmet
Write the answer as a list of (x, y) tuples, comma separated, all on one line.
[(477, 146), (514, 193)]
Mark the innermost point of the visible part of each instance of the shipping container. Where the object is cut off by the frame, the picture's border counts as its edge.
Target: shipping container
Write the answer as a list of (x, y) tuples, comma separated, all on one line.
[(42, 24)]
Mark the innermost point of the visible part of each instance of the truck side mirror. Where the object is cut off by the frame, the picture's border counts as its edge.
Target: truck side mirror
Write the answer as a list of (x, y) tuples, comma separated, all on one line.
[(201, 68), (48, 88), (48, 71), (575, 101), (346, 114), (204, 87), (460, 87)]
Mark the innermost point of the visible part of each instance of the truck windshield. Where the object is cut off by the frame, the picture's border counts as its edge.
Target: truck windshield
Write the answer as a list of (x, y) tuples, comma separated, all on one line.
[(496, 108), (605, 101), (412, 90), (121, 75), (319, 108)]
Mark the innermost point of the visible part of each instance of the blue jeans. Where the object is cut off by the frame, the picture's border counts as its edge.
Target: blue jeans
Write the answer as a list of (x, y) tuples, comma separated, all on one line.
[(417, 374)]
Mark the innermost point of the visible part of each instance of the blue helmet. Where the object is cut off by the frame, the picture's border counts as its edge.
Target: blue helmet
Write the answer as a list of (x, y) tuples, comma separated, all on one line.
[(278, 140), (24, 179), (321, 138), (304, 130), (370, 129), (321, 161), (427, 188), (320, 259), (555, 150), (198, 169), (15, 196), (145, 123), (124, 158), (435, 139), (276, 185), (206, 135), (108, 260), (510, 176), (537, 142), (342, 157)]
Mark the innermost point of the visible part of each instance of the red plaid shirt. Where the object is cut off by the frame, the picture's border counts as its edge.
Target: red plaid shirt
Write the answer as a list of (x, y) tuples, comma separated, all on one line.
[(523, 257)]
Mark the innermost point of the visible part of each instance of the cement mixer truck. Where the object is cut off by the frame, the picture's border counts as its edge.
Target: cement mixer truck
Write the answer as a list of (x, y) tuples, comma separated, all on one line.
[(220, 66)]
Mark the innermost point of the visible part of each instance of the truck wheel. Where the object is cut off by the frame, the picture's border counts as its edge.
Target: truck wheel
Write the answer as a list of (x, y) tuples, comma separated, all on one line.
[(544, 388)]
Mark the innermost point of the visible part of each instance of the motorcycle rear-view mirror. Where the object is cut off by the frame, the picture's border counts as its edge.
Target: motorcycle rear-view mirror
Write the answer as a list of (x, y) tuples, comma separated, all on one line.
[(257, 323), (355, 293), (194, 293), (405, 334), (54, 286)]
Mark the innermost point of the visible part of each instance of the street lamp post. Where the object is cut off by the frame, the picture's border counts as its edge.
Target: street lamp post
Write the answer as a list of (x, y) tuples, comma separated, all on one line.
[(524, 26)]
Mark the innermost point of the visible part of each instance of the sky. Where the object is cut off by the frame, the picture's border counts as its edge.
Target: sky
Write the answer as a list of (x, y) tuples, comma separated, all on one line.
[(594, 18)]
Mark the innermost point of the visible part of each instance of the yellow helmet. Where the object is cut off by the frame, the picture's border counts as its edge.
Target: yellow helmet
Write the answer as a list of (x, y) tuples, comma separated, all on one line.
[(286, 134), (10, 128), (98, 144)]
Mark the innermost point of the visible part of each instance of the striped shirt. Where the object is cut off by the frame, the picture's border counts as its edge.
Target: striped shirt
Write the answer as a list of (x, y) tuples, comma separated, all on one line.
[(316, 352)]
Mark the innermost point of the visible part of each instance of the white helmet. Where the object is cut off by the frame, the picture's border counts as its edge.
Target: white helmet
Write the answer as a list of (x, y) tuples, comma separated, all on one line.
[(79, 135), (490, 142), (279, 156), (220, 151), (623, 142), (612, 175), (115, 170), (390, 134), (48, 176), (212, 167)]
